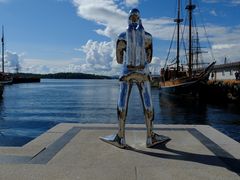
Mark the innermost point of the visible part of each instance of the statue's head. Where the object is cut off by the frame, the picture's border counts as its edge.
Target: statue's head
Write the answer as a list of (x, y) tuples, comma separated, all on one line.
[(134, 16)]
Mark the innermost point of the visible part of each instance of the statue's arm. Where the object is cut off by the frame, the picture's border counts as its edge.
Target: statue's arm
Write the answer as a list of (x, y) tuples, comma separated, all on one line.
[(121, 47), (148, 46)]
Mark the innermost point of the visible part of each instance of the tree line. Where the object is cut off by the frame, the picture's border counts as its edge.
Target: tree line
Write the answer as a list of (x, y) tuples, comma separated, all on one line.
[(61, 76)]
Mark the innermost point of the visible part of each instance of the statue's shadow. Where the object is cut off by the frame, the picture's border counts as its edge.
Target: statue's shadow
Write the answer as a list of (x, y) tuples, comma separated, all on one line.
[(220, 161)]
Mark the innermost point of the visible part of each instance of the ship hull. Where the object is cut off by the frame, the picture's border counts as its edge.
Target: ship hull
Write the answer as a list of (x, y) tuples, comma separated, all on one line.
[(1, 90), (187, 86)]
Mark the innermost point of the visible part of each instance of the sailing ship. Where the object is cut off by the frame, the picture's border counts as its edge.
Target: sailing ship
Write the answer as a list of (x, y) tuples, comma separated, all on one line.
[(185, 79), (5, 78)]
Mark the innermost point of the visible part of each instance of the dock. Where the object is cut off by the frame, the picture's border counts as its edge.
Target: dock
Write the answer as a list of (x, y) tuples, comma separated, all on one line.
[(222, 91), (18, 80), (74, 151)]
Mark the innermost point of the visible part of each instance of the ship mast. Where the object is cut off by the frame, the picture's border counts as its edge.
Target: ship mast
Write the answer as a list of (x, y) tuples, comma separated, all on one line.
[(190, 7), (197, 51), (178, 20), (2, 49)]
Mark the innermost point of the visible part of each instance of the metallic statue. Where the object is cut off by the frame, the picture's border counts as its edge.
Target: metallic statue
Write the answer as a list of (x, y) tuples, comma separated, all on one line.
[(134, 51)]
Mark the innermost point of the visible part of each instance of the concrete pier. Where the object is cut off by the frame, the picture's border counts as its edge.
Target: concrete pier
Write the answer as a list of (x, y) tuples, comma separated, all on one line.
[(74, 151)]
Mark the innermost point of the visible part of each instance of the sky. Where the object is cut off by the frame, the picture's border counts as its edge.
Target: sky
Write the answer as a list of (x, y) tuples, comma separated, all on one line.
[(50, 36)]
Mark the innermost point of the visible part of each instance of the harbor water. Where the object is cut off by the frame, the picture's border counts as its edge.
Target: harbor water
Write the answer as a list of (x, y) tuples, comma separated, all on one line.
[(28, 110)]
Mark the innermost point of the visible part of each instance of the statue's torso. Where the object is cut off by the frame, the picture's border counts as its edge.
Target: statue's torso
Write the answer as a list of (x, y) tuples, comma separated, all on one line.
[(133, 45)]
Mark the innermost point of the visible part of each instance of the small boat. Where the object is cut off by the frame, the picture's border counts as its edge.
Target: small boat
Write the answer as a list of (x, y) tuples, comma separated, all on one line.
[(6, 78), (185, 79)]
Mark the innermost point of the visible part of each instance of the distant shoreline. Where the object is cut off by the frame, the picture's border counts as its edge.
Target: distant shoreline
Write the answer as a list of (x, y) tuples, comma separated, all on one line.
[(63, 76)]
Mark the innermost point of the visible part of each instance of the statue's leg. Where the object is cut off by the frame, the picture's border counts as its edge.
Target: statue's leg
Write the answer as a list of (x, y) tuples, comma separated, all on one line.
[(145, 93), (122, 107)]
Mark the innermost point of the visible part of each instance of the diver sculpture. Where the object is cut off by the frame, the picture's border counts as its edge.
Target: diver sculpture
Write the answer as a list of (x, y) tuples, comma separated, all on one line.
[(134, 52)]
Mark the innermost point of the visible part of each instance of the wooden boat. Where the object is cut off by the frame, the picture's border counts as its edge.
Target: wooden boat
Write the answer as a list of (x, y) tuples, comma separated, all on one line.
[(6, 78), (176, 79), (187, 85)]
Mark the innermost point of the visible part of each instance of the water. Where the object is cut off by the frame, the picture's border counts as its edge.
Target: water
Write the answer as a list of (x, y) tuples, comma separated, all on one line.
[(28, 110)]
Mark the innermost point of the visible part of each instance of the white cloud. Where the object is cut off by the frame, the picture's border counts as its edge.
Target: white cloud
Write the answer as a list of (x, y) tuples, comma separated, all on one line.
[(99, 55), (16, 62), (231, 51), (155, 65), (223, 46), (225, 42), (112, 20), (41, 69), (236, 2), (131, 3), (11, 61), (161, 28), (43, 66), (105, 13), (231, 2)]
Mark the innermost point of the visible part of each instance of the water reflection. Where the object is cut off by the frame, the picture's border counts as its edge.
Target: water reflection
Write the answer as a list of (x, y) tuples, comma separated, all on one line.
[(27, 110), (224, 117), (1, 110), (177, 110)]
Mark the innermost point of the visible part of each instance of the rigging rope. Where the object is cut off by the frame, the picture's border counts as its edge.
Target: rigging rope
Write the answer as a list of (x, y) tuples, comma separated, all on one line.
[(205, 31), (183, 42), (170, 47)]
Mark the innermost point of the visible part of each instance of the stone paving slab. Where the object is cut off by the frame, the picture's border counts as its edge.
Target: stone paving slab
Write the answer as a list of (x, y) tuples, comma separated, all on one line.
[(74, 151)]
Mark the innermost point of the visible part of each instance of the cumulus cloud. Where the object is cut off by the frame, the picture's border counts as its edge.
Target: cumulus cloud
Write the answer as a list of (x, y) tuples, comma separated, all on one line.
[(14, 62), (99, 55), (99, 58), (11, 61), (112, 20), (155, 65), (105, 13)]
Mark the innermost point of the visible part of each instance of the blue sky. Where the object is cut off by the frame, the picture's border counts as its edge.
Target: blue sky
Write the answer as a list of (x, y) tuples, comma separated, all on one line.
[(45, 36)]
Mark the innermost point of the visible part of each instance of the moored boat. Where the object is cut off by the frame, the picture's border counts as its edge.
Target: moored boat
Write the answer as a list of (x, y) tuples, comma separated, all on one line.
[(6, 78), (186, 79)]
